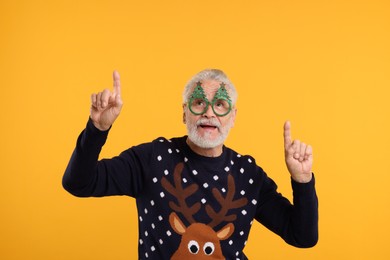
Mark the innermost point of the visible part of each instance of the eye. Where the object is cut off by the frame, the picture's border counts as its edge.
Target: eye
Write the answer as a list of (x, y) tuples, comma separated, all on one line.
[(221, 104), (208, 248), (199, 102), (193, 247)]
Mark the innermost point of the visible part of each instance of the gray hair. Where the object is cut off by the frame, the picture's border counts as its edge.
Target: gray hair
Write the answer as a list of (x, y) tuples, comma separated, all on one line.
[(210, 74)]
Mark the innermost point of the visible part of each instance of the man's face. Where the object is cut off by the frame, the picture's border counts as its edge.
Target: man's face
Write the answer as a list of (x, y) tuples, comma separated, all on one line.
[(208, 130)]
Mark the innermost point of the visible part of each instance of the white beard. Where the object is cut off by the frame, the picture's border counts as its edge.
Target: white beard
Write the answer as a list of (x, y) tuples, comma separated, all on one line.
[(205, 141)]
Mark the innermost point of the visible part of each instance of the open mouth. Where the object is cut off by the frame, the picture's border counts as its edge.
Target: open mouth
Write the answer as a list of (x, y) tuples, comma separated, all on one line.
[(208, 127)]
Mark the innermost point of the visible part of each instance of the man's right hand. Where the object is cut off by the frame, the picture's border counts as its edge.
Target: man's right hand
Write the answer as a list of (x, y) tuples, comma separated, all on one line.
[(106, 105)]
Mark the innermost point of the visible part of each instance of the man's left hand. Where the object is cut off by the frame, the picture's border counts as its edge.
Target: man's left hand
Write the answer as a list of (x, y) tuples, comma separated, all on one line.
[(298, 156)]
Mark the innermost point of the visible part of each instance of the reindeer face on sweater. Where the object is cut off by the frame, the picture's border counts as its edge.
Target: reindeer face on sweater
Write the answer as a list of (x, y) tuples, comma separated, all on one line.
[(200, 241)]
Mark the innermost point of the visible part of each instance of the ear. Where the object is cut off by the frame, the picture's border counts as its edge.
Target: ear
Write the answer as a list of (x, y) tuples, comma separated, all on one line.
[(226, 231), (234, 113), (176, 224), (184, 114)]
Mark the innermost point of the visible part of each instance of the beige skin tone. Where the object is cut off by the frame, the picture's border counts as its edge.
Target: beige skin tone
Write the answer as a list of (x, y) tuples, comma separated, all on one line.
[(210, 88), (107, 105)]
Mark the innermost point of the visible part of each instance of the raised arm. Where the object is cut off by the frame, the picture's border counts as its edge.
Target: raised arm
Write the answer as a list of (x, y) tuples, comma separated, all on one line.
[(85, 175), (296, 223)]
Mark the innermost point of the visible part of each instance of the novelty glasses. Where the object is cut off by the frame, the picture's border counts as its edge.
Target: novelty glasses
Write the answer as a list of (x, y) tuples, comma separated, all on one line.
[(221, 103)]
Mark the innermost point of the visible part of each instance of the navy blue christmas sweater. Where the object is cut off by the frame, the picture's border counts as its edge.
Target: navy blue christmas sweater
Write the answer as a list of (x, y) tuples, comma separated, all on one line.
[(191, 206)]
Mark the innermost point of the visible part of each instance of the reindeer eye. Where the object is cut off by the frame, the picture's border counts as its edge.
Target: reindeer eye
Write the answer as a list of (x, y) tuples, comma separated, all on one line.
[(208, 248), (193, 247)]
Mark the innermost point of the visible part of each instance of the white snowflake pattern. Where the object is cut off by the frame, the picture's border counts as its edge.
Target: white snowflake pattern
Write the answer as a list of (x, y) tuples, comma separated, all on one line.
[(203, 200)]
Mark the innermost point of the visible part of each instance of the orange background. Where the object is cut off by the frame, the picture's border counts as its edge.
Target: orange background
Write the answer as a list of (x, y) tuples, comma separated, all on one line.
[(322, 64)]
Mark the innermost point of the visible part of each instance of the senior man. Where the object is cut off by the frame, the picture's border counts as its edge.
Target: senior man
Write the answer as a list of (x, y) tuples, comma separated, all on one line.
[(196, 198)]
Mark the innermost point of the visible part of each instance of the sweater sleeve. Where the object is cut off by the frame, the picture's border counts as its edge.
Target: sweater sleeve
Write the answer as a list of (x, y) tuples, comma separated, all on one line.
[(86, 176), (296, 223)]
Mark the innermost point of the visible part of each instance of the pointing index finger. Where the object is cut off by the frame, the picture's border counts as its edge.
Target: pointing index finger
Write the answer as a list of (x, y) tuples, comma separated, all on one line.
[(117, 82), (287, 134)]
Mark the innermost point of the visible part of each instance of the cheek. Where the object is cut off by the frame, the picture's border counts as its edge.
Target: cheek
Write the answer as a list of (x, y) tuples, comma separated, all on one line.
[(227, 122), (190, 118)]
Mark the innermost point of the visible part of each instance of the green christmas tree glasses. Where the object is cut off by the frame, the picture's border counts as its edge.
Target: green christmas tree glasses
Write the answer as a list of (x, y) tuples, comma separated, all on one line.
[(221, 103)]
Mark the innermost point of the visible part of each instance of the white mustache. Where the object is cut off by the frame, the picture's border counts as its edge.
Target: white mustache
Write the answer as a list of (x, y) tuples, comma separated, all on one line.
[(212, 122)]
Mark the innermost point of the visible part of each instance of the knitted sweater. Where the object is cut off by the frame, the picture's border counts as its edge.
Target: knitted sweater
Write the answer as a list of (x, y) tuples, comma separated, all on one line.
[(191, 206)]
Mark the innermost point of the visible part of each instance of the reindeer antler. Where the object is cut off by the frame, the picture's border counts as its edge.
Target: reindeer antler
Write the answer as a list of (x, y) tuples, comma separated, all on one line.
[(226, 203), (181, 194)]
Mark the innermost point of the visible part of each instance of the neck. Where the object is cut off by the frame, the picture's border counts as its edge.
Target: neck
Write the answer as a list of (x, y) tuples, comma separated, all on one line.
[(207, 152)]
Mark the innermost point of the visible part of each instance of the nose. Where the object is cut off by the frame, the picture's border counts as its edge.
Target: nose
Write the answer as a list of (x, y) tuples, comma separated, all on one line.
[(209, 113)]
